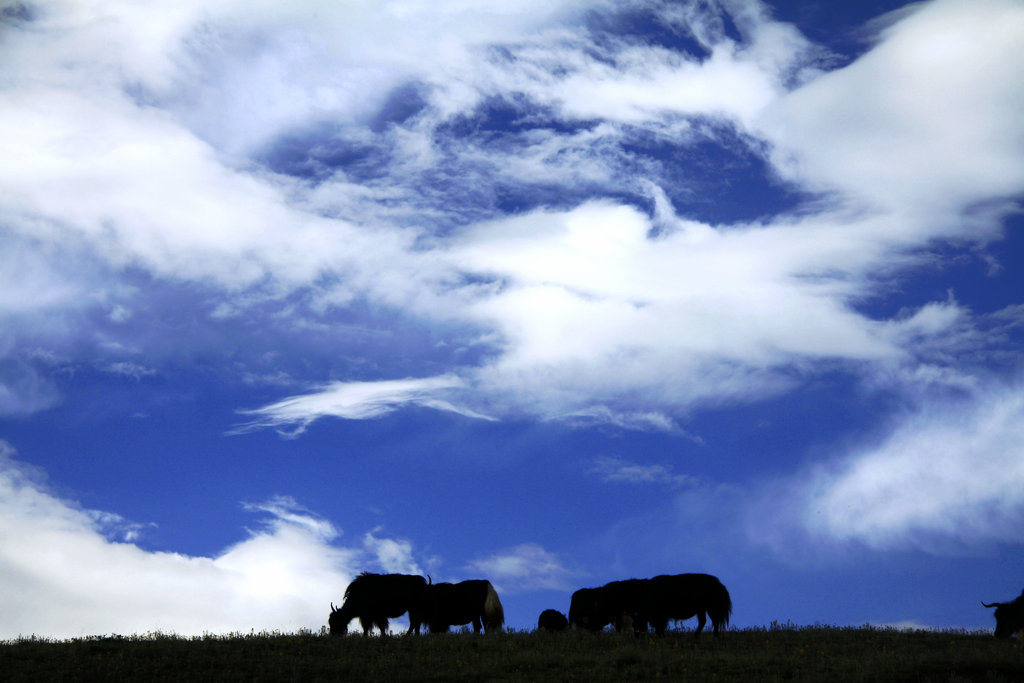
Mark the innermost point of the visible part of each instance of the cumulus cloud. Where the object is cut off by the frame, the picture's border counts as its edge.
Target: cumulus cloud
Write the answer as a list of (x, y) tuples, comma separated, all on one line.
[(696, 313), (72, 572), (874, 132), (512, 195), (392, 555), (293, 155)]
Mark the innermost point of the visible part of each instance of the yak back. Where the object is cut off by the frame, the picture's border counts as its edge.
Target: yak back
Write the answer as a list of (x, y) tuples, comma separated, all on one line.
[(552, 620), (389, 595), (586, 611), (594, 608), (625, 598), (452, 604), (681, 596)]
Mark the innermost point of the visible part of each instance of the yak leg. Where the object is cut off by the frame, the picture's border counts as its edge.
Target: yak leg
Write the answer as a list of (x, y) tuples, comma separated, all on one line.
[(701, 621), (417, 621), (476, 624)]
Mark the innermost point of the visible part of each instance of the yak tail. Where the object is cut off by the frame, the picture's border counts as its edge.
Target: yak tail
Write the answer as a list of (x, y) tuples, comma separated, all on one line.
[(720, 608), (494, 613)]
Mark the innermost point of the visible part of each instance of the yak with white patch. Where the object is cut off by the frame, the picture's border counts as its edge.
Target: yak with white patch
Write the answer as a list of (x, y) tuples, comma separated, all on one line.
[(443, 605), (682, 596)]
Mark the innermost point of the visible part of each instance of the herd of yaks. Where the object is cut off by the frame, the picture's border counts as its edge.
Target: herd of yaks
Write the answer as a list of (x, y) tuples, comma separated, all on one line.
[(628, 606)]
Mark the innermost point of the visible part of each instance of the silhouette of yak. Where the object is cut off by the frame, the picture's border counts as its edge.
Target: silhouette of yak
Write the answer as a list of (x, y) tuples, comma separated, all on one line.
[(682, 596), (586, 610), (623, 601), (1009, 616), (620, 603), (443, 605), (374, 598), (552, 620)]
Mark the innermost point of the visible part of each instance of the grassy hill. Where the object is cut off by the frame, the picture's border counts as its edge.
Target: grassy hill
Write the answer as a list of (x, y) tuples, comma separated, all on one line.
[(777, 653)]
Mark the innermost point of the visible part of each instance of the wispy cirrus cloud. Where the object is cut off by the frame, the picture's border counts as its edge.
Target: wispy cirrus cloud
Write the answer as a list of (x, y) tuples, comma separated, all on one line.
[(949, 472), (357, 401), (618, 470), (943, 477)]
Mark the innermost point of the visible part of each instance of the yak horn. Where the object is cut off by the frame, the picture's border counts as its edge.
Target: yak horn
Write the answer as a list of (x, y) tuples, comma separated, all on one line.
[(994, 604)]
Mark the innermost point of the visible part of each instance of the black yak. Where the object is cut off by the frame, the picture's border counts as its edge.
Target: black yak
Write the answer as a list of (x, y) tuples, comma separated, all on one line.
[(586, 611), (552, 620), (1009, 616), (443, 605), (682, 596), (374, 598), (620, 603), (623, 602)]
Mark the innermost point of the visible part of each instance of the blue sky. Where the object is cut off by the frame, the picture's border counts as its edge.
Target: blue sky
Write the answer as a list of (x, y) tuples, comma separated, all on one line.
[(549, 293)]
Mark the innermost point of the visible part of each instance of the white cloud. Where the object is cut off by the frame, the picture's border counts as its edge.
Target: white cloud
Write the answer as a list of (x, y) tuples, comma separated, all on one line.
[(925, 123), (525, 567), (617, 470), (358, 401), (640, 421), (639, 83), (132, 370), (23, 390), (951, 473), (138, 138), (64, 576), (140, 190), (393, 555), (695, 313), (646, 84)]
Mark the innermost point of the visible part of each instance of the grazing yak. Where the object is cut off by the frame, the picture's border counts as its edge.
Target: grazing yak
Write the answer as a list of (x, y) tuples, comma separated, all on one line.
[(552, 620), (374, 598), (624, 604), (586, 610), (1009, 616), (619, 603), (443, 605), (682, 596)]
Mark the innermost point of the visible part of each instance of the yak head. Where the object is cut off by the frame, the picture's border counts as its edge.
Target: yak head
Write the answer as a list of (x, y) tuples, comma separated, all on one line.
[(1009, 617), (337, 625)]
